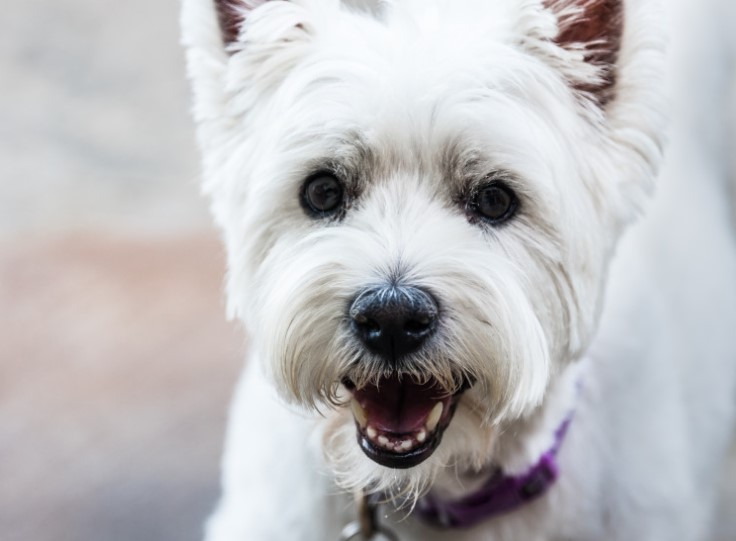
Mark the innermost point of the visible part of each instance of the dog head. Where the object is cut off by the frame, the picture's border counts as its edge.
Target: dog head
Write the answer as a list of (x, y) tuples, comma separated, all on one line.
[(419, 202)]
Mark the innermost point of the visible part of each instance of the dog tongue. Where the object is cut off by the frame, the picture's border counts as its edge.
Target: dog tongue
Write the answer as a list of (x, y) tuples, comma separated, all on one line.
[(398, 406)]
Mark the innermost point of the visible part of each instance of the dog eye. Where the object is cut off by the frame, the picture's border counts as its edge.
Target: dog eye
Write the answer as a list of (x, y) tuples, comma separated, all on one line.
[(322, 194), (495, 203)]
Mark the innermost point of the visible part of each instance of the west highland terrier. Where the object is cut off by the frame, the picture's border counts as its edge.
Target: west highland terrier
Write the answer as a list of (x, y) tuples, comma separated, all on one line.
[(450, 334)]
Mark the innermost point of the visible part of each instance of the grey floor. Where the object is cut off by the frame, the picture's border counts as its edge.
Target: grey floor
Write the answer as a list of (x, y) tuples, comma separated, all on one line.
[(116, 363)]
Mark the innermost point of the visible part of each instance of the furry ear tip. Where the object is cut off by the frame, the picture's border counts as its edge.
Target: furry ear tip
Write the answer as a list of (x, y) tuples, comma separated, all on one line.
[(597, 25), (231, 15), (230, 19)]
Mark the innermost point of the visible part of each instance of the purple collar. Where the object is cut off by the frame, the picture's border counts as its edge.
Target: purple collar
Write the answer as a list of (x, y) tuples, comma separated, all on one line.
[(500, 494)]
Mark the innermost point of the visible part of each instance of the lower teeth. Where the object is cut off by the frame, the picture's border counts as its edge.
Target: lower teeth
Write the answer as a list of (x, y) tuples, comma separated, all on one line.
[(398, 446)]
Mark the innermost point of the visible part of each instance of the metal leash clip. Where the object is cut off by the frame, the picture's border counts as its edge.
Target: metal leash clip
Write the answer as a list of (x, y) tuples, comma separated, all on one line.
[(366, 527)]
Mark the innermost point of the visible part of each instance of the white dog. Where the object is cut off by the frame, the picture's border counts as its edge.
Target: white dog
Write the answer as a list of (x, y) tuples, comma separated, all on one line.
[(424, 205)]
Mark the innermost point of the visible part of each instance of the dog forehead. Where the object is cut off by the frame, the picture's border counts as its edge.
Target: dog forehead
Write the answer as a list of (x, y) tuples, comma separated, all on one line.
[(427, 42), (422, 22), (429, 76)]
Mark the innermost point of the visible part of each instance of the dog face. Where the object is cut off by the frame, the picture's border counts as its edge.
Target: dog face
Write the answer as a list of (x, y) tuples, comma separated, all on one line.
[(419, 204)]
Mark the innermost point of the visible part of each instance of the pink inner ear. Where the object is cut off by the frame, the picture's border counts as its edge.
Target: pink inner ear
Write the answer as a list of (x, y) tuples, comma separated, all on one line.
[(231, 14), (600, 24)]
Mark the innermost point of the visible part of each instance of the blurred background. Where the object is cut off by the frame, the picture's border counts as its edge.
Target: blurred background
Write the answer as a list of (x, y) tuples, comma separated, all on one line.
[(116, 362)]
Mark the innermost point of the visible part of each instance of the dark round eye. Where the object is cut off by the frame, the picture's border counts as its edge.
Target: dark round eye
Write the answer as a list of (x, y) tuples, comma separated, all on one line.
[(495, 203), (322, 194)]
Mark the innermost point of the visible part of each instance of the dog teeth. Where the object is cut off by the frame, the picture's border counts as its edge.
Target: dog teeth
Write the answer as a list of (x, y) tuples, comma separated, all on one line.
[(397, 446), (388, 441), (395, 443), (359, 413), (434, 417)]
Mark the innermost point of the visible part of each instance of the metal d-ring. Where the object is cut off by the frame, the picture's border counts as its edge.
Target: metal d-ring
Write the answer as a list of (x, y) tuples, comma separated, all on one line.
[(366, 527)]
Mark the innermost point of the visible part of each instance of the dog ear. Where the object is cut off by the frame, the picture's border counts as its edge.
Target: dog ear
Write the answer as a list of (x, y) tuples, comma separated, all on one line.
[(594, 27), (231, 14)]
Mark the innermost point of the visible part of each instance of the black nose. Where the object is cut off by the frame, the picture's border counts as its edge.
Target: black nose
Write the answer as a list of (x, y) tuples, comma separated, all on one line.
[(394, 321)]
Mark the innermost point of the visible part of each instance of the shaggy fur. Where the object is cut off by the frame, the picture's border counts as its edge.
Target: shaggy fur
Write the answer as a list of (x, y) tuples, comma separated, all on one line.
[(414, 105)]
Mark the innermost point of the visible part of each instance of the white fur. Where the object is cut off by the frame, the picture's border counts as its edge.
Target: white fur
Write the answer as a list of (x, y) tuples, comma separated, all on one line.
[(429, 96)]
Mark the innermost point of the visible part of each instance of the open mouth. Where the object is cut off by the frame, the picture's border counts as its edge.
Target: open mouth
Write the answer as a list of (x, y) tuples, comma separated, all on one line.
[(400, 422)]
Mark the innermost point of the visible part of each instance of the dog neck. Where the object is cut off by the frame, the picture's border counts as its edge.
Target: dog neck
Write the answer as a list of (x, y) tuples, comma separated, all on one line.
[(523, 468)]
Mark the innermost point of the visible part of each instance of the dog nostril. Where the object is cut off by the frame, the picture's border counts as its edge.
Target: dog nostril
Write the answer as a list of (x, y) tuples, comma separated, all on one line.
[(372, 327), (417, 327), (365, 323)]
